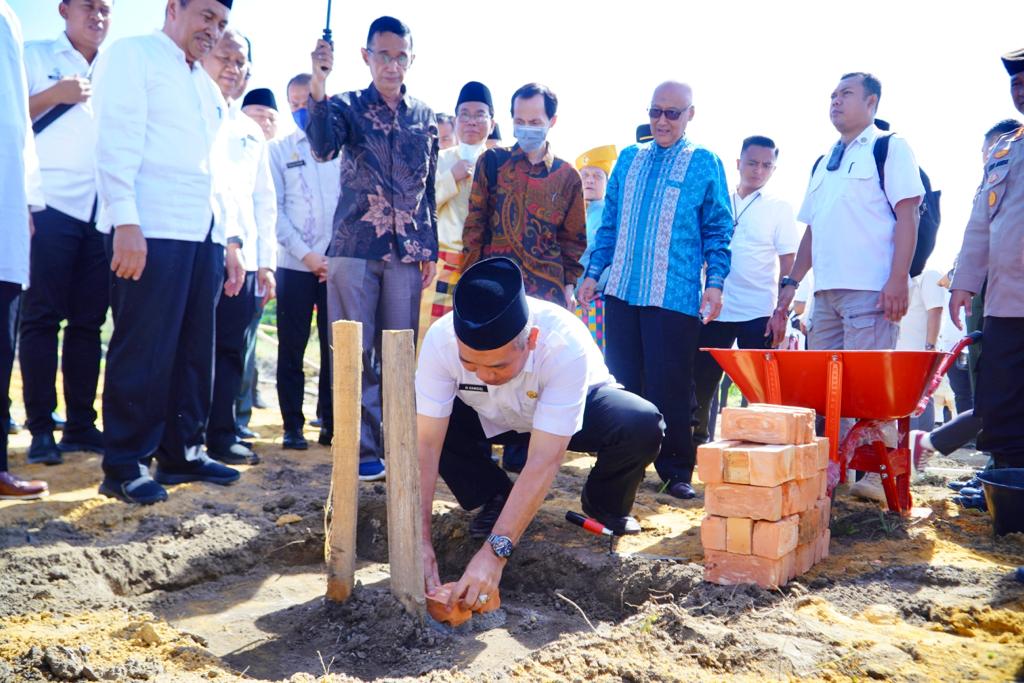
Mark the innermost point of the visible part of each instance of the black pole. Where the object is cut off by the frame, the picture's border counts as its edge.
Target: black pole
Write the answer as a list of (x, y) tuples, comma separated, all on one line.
[(327, 31)]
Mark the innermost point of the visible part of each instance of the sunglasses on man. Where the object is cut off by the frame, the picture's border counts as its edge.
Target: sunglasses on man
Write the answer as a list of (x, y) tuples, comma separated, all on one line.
[(670, 114)]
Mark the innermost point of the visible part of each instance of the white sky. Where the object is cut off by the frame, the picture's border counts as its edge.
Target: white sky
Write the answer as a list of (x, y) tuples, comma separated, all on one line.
[(756, 68)]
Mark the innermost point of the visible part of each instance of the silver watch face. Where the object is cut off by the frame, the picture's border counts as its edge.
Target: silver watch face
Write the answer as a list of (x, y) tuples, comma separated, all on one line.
[(501, 545)]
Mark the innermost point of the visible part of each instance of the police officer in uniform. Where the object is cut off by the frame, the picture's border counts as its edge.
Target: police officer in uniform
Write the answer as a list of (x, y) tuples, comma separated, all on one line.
[(508, 369), (992, 247)]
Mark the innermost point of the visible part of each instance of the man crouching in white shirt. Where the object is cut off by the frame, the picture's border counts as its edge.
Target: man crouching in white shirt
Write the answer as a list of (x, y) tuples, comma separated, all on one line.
[(505, 368), (245, 188), (158, 115)]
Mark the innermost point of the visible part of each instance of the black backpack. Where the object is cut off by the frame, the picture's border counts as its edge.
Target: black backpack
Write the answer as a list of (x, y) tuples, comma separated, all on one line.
[(930, 213)]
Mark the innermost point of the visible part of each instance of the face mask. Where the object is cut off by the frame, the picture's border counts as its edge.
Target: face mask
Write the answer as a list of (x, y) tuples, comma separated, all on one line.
[(530, 138), (301, 117), (471, 152)]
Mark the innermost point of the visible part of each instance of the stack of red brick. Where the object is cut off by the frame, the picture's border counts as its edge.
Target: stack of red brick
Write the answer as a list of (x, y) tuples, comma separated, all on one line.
[(765, 496)]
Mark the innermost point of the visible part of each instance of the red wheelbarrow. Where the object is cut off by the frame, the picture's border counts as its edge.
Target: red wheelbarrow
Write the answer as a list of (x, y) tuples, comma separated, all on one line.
[(867, 385)]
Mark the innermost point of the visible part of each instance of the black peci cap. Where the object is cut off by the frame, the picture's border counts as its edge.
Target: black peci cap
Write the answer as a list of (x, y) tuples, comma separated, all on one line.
[(489, 304), (1014, 62), (263, 96)]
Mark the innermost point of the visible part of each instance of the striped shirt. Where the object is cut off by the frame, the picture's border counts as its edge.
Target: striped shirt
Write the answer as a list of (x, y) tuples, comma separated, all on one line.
[(666, 217)]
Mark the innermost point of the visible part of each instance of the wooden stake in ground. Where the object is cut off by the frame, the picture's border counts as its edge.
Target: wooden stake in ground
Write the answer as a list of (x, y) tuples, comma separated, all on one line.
[(347, 338), (398, 365)]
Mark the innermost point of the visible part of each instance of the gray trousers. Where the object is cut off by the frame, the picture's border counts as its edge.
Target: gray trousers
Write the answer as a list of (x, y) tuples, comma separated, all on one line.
[(382, 295), (850, 319)]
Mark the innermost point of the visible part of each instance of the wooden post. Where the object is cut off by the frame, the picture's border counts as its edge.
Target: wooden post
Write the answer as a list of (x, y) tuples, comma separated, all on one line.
[(398, 364), (347, 340)]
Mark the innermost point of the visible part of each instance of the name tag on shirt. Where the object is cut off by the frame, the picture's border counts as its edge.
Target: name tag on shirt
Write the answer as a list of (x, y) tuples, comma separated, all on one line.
[(481, 388), (296, 164)]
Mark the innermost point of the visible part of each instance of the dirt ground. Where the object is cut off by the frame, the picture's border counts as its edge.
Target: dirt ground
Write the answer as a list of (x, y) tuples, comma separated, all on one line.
[(227, 584)]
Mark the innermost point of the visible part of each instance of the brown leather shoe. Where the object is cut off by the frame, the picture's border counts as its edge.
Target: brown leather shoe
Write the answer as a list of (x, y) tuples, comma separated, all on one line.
[(13, 488)]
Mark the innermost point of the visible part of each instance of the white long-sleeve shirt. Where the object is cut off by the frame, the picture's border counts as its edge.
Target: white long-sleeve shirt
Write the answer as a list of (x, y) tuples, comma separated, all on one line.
[(157, 119), (67, 148), (307, 195), (21, 186), (245, 189)]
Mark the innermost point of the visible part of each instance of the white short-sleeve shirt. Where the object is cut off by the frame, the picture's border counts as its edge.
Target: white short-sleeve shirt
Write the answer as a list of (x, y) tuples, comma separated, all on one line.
[(851, 219), (765, 230), (67, 147), (548, 395), (926, 294)]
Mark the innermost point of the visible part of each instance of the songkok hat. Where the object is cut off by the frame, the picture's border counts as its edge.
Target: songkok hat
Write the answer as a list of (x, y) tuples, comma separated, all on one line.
[(600, 157), (226, 3), (489, 305), (262, 96), (495, 134), (1014, 62), (475, 91), (643, 133)]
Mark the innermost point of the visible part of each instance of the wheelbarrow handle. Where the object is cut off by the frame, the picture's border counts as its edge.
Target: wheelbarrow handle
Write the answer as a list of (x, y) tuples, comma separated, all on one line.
[(947, 362)]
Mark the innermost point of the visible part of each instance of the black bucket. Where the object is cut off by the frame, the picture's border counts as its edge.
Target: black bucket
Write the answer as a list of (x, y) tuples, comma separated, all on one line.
[(1004, 493)]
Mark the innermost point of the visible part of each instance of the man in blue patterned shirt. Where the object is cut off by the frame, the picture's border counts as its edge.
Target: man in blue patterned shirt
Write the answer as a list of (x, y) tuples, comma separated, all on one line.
[(384, 247), (666, 219)]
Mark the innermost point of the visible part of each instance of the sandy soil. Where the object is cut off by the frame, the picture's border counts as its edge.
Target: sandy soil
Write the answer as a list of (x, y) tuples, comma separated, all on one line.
[(227, 584)]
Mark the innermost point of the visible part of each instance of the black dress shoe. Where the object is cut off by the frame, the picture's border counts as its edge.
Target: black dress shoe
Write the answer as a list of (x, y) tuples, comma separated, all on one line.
[(620, 526), (484, 520), (203, 469), (682, 489), (243, 432), (325, 438), (87, 440), (316, 423), (294, 440), (235, 454), (44, 451)]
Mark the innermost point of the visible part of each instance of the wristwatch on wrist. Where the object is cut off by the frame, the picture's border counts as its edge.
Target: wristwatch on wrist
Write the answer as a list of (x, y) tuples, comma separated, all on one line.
[(501, 545), (237, 241), (929, 347), (787, 281)]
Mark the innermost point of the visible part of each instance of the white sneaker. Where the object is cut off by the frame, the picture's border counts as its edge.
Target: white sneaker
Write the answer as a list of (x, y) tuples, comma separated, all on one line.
[(869, 488)]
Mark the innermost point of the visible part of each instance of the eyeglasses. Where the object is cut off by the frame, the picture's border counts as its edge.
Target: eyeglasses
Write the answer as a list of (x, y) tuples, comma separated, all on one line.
[(482, 117), (670, 114), (835, 159), (384, 59)]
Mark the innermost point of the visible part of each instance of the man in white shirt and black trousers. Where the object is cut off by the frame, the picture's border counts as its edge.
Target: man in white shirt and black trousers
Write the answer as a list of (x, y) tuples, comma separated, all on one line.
[(244, 186), (764, 244), (158, 115), (506, 368), (69, 275)]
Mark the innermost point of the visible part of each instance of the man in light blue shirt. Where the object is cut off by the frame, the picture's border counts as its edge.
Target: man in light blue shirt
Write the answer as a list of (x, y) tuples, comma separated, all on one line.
[(667, 218)]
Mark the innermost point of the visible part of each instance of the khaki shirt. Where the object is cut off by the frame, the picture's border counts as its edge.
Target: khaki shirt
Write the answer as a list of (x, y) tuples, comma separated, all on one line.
[(994, 239)]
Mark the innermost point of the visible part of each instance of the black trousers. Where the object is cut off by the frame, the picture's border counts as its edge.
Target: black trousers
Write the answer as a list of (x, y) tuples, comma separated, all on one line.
[(956, 433), (250, 375), (10, 297), (650, 351), (159, 375), (234, 314), (999, 400), (707, 373), (298, 292), (69, 281), (960, 383), (623, 429)]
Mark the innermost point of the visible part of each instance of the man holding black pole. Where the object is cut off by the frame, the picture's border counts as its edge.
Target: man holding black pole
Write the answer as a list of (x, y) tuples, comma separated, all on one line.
[(384, 248)]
